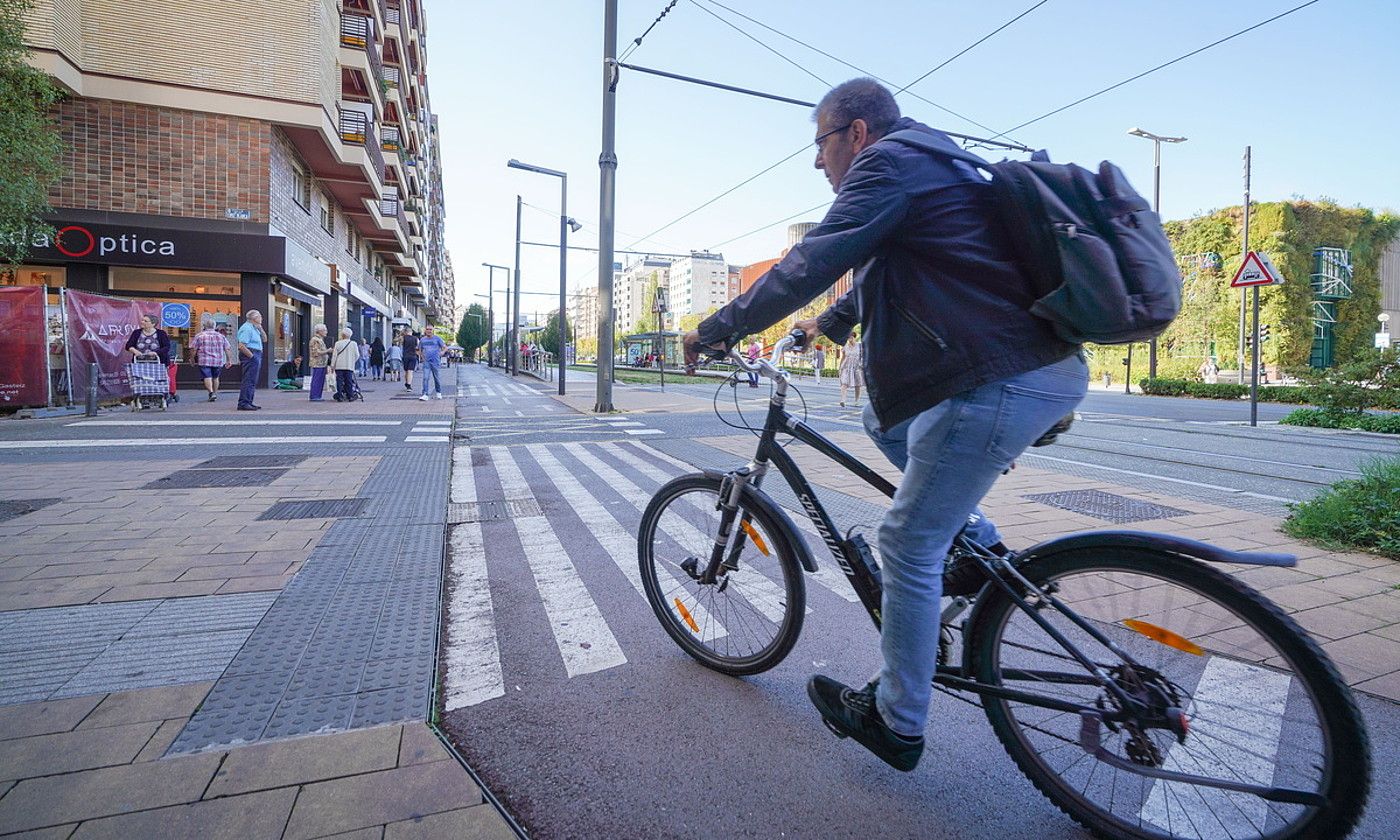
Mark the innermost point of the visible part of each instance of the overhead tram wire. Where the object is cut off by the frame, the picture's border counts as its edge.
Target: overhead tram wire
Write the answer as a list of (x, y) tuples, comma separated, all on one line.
[(761, 228), (1164, 65), (864, 72), (716, 16), (771, 167), (637, 42)]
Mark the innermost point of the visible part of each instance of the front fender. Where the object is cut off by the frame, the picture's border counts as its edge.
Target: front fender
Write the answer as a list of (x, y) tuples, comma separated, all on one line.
[(1156, 542)]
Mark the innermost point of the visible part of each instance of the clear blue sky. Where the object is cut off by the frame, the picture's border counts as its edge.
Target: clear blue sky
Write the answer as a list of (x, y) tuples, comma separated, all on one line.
[(1313, 93)]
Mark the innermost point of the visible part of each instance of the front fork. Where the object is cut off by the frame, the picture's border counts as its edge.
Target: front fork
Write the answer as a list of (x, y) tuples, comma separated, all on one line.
[(729, 541)]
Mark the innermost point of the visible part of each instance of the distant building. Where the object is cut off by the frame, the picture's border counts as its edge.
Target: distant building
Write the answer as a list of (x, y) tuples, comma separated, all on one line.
[(698, 283), (735, 275), (629, 292), (750, 274)]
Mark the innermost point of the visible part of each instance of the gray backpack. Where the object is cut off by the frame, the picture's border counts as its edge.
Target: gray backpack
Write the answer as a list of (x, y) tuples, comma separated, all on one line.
[(1095, 252)]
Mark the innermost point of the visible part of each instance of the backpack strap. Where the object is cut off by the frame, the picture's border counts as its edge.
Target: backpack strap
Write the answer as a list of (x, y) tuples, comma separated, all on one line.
[(920, 140)]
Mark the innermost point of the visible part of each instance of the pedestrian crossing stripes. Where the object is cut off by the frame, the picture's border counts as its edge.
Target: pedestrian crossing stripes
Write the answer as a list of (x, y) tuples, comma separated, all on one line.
[(497, 389), (556, 569)]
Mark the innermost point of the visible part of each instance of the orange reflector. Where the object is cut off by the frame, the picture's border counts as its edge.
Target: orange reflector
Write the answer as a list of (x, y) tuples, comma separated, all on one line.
[(685, 614), (1164, 636), (753, 535)]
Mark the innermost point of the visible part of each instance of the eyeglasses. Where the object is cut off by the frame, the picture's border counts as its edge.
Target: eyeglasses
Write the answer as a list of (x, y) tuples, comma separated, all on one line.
[(825, 134)]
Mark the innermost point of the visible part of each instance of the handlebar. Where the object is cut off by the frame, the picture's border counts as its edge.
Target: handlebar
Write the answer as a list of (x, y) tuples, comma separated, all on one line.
[(784, 344)]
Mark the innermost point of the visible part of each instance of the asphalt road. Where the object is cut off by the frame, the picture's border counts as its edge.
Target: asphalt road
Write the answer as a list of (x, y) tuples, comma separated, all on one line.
[(565, 695)]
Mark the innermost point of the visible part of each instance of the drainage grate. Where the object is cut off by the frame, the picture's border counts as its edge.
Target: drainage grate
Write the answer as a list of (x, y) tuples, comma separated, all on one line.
[(10, 508), (1107, 506), (188, 479), (492, 510), (239, 462), (315, 509)]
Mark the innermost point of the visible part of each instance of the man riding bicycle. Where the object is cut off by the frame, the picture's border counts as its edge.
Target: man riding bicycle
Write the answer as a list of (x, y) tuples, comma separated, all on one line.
[(962, 378)]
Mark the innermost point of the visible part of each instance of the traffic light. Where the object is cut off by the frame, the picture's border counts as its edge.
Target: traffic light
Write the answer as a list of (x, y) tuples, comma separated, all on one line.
[(1263, 333)]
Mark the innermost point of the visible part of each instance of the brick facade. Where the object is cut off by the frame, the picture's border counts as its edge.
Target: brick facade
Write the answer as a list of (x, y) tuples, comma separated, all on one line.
[(133, 158), (303, 225)]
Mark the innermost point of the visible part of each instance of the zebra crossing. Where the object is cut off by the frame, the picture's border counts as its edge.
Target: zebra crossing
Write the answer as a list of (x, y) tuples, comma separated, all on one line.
[(569, 561), (504, 388)]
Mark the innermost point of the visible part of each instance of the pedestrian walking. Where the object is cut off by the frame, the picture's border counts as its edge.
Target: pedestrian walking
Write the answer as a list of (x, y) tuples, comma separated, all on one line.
[(250, 351), (755, 349), (430, 348), (410, 358), (344, 357), (362, 363), (211, 354), (376, 358), (850, 373), (818, 361), (149, 341), (320, 360), (396, 358)]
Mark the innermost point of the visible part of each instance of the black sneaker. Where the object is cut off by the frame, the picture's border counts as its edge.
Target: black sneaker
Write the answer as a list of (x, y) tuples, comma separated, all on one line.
[(852, 714)]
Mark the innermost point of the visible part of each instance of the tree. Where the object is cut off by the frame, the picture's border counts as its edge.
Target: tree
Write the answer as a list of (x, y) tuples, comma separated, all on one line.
[(473, 331), (30, 148), (548, 338)]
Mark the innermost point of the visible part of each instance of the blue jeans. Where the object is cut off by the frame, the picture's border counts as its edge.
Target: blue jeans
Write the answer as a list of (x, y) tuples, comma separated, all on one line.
[(950, 455), (252, 366), (431, 366)]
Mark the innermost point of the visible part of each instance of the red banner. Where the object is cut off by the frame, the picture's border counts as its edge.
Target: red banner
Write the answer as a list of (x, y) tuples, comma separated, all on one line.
[(98, 328), (24, 365)]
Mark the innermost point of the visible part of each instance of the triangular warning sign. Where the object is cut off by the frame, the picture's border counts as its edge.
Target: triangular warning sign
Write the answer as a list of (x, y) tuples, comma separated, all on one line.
[(1256, 270)]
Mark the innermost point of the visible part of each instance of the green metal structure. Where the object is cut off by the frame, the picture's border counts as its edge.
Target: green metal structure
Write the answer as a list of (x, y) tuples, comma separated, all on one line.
[(1331, 282)]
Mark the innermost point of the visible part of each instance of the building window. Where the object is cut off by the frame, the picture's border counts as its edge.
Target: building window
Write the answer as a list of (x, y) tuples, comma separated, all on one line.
[(352, 243), (327, 213), (301, 188)]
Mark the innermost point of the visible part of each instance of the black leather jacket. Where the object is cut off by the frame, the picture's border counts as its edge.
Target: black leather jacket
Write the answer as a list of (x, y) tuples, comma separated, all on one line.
[(943, 306)]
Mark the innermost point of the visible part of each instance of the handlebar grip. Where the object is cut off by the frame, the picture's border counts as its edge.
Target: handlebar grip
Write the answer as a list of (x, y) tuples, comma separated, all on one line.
[(799, 338)]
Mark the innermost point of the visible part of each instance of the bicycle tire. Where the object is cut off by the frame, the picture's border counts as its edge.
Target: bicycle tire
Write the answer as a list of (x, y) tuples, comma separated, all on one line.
[(1345, 784), (782, 550)]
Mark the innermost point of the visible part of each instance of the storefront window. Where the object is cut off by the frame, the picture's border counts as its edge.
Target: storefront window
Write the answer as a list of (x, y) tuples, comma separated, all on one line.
[(205, 292), (288, 329)]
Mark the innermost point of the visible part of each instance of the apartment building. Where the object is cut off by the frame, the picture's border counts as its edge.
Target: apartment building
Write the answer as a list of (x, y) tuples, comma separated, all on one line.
[(273, 156), (698, 283), (750, 274), (630, 298)]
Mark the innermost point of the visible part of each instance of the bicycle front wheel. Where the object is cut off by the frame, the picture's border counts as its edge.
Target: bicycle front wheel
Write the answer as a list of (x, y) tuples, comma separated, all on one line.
[(750, 617), (1263, 704)]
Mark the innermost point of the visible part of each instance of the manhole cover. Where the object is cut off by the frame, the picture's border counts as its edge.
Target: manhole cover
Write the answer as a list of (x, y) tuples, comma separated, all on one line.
[(315, 509), (1107, 506), (10, 508), (189, 479), (494, 509), (239, 462)]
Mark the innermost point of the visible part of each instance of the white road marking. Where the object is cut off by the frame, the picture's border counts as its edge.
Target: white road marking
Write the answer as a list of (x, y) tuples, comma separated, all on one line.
[(1236, 722), (644, 431), (473, 655), (231, 421), (221, 441), (1159, 477), (426, 439), (766, 596), (616, 538), (463, 481), (580, 631), (620, 423)]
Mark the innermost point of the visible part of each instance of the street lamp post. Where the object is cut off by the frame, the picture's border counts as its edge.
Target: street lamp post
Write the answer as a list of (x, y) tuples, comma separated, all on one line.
[(490, 310), (1157, 141), (566, 224)]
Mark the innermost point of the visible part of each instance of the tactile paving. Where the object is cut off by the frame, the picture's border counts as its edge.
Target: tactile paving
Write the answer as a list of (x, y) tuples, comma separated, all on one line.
[(315, 509), (232, 462), (351, 640), (190, 479)]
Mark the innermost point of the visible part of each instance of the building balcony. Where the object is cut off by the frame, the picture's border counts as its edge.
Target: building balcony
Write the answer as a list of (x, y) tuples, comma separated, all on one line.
[(389, 138), (357, 130)]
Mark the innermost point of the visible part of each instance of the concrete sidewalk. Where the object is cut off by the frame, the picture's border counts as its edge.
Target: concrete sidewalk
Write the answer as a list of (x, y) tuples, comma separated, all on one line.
[(161, 646)]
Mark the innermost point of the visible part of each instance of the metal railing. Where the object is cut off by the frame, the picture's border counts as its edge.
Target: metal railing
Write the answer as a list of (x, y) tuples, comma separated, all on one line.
[(356, 128), (389, 138), (355, 30), (392, 77), (389, 205)]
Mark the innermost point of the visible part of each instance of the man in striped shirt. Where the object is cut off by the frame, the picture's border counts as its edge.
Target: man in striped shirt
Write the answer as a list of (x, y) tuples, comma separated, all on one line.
[(211, 350)]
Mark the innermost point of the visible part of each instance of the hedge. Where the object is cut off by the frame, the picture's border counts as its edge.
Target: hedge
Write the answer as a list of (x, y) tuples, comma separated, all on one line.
[(1361, 513), (1296, 394), (1324, 419)]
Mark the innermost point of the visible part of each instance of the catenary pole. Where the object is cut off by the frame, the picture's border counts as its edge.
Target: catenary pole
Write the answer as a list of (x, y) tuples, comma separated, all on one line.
[(563, 276), (515, 325), (607, 201), (1244, 252)]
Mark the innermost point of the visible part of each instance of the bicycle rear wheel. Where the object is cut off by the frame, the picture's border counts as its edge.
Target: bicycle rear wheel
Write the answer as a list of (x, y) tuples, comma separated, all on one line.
[(750, 618), (1264, 704)]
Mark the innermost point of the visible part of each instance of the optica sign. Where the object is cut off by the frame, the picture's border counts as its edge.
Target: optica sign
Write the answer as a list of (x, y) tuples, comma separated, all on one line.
[(175, 247)]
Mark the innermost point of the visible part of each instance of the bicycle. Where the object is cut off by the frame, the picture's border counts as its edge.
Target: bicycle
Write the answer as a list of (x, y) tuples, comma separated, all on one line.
[(1203, 711)]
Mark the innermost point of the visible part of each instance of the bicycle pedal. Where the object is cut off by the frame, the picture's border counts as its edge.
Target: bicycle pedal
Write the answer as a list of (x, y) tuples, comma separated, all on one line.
[(834, 731)]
